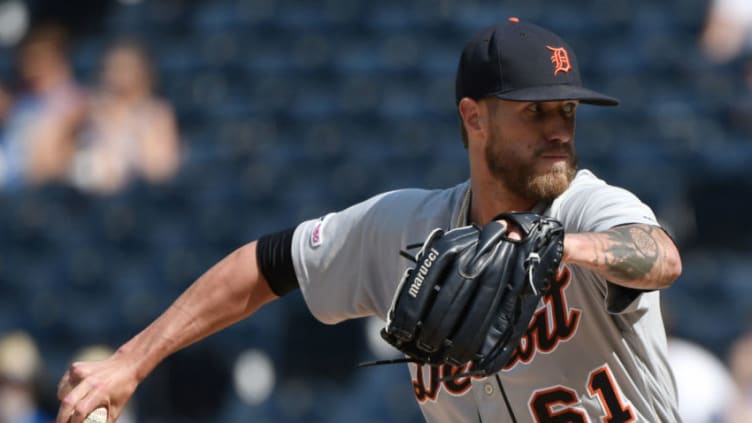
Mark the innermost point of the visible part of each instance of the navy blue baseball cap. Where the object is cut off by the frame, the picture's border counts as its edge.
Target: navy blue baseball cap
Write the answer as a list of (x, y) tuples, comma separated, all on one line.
[(520, 61)]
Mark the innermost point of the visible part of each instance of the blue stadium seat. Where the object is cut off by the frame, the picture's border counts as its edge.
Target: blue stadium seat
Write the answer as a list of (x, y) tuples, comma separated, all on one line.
[(388, 18), (127, 19), (358, 55), (289, 110), (211, 16), (304, 16), (313, 102)]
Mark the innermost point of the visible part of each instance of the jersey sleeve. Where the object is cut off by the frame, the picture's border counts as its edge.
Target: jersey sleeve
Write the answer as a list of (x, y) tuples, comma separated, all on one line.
[(348, 263), (595, 206)]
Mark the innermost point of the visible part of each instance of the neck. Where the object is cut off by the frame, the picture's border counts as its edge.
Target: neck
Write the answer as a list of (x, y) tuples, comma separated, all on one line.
[(488, 202), (128, 97), (52, 81), (491, 197)]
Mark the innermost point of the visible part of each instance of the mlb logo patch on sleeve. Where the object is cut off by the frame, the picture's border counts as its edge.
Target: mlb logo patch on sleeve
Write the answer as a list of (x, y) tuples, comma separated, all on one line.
[(317, 234)]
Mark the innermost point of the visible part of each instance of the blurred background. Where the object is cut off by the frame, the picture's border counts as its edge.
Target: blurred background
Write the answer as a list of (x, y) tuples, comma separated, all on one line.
[(143, 140)]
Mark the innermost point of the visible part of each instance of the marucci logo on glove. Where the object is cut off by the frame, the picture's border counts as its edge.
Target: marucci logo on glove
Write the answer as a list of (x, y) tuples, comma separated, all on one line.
[(422, 272)]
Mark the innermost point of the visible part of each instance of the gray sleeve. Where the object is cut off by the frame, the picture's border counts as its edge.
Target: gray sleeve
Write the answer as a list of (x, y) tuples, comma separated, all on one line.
[(348, 263), (598, 207)]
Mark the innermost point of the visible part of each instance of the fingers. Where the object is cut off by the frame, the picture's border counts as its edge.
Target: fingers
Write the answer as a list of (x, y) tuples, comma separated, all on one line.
[(513, 231), (81, 402), (88, 385), (72, 377), (73, 389), (64, 387), (88, 404), (70, 406)]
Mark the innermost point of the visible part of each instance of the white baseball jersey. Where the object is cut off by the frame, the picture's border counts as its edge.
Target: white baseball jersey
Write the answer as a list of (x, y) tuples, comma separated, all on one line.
[(593, 352)]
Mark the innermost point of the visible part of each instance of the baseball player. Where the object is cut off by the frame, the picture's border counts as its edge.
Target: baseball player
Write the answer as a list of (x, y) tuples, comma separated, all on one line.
[(595, 348)]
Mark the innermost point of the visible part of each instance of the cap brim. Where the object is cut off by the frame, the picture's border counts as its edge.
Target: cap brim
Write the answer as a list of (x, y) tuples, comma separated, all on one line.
[(559, 93)]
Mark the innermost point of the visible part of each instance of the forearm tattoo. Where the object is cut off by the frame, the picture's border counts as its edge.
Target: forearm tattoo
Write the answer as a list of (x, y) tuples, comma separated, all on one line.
[(631, 253)]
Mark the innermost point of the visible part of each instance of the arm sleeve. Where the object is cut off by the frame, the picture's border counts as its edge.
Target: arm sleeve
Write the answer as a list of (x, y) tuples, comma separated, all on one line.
[(346, 261), (598, 207)]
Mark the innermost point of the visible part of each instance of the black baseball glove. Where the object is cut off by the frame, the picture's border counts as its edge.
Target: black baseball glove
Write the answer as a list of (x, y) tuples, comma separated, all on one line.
[(473, 291)]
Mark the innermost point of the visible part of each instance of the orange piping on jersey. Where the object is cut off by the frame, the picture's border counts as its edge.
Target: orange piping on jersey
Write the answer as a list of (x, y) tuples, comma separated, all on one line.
[(562, 397), (430, 391), (625, 410), (422, 392), (539, 337)]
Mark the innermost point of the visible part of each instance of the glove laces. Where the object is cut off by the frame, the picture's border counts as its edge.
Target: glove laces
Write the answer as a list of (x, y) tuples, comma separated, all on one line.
[(530, 263), (409, 256)]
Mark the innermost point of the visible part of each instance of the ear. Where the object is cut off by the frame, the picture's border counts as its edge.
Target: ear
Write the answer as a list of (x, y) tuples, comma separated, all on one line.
[(470, 111)]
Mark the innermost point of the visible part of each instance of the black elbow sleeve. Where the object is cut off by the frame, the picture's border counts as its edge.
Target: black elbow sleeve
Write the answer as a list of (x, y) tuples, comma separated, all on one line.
[(274, 259)]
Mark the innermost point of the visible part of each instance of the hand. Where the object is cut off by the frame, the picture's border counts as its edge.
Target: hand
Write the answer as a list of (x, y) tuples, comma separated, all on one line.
[(513, 231), (88, 385)]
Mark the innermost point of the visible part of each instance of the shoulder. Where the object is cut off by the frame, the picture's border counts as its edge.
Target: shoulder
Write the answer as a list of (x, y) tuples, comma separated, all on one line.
[(393, 215), (586, 186), (416, 197), (436, 207), (71, 94), (161, 106), (67, 98), (585, 179), (591, 204), (157, 108)]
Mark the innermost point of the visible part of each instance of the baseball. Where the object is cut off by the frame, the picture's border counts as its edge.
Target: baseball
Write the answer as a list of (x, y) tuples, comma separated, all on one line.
[(97, 416)]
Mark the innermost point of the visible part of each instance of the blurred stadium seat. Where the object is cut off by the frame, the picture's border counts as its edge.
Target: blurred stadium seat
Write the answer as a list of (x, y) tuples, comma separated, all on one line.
[(290, 109)]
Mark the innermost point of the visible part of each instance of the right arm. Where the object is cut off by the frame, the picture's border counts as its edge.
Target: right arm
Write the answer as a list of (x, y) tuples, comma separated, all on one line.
[(159, 148), (230, 291)]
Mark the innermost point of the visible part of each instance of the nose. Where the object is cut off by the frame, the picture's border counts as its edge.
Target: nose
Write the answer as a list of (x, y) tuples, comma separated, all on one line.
[(559, 129)]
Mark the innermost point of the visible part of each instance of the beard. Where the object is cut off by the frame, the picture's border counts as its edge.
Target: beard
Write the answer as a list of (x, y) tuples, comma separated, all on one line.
[(519, 175)]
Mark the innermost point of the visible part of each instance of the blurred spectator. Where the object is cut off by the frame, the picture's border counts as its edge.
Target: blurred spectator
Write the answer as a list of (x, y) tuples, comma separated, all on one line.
[(728, 29), (98, 353), (704, 385), (740, 362), (5, 104), (44, 115), (129, 133), (20, 365)]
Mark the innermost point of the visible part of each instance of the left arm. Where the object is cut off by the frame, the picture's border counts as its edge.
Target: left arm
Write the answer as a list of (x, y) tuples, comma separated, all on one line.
[(636, 256)]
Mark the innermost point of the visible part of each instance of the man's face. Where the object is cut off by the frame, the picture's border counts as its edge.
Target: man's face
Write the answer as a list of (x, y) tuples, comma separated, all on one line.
[(125, 71), (531, 146), (38, 60)]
